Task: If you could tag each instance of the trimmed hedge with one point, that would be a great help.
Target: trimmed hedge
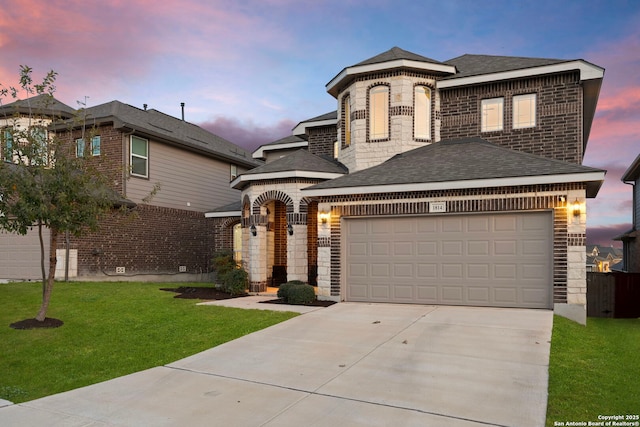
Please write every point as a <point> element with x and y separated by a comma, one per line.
<point>296,292</point>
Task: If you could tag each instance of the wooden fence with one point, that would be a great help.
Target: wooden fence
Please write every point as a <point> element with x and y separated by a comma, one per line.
<point>613,295</point>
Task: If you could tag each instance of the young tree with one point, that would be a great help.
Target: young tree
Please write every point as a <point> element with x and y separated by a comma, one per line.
<point>42,182</point>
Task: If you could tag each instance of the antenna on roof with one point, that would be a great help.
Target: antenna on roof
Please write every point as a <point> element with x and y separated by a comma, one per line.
<point>182,106</point>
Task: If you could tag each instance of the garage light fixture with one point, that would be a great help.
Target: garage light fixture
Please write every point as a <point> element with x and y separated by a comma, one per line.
<point>253,230</point>
<point>577,209</point>
<point>290,229</point>
<point>324,216</point>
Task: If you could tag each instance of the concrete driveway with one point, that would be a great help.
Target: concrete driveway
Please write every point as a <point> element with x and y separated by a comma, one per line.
<point>351,364</point>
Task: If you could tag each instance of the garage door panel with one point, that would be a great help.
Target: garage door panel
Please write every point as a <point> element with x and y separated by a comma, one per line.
<point>358,270</point>
<point>20,254</point>
<point>482,259</point>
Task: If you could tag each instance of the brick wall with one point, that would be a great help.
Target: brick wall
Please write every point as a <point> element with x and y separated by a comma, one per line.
<point>147,240</point>
<point>321,140</point>
<point>558,131</point>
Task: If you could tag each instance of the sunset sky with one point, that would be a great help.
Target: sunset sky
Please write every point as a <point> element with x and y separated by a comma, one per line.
<point>251,70</point>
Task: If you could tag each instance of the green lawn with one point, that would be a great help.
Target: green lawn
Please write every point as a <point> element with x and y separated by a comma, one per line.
<point>594,370</point>
<point>110,329</point>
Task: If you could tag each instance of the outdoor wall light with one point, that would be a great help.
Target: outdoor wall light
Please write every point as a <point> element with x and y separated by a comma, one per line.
<point>576,208</point>
<point>253,230</point>
<point>290,229</point>
<point>324,217</point>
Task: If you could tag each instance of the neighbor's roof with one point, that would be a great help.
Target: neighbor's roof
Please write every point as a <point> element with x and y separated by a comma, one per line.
<point>464,163</point>
<point>232,209</point>
<point>44,104</point>
<point>299,164</point>
<point>155,124</point>
<point>633,172</point>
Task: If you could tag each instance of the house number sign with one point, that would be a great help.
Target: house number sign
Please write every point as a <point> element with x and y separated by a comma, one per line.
<point>437,207</point>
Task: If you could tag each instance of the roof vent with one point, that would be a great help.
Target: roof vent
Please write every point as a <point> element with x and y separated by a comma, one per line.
<point>144,106</point>
<point>182,106</point>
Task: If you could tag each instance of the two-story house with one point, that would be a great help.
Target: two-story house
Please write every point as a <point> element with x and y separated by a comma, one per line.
<point>169,172</point>
<point>20,255</point>
<point>457,182</point>
<point>630,242</point>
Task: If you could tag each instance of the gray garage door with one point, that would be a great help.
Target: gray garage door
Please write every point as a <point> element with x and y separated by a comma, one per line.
<point>501,260</point>
<point>20,255</point>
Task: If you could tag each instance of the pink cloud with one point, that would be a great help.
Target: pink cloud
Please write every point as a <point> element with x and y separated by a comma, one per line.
<point>603,235</point>
<point>248,135</point>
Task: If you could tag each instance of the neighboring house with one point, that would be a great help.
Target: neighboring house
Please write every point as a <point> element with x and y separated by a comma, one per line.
<point>164,233</point>
<point>20,255</point>
<point>602,258</point>
<point>630,241</point>
<point>458,182</point>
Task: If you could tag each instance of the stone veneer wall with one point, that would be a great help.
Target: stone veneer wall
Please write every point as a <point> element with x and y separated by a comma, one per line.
<point>558,132</point>
<point>363,152</point>
<point>569,234</point>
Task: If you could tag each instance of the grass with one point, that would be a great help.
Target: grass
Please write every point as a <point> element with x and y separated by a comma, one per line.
<point>110,330</point>
<point>594,370</point>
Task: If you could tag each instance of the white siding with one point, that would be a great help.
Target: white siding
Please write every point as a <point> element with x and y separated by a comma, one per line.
<point>187,180</point>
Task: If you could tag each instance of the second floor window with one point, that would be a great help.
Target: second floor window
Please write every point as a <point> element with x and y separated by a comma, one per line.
<point>234,172</point>
<point>346,120</point>
<point>492,114</point>
<point>422,113</point>
<point>139,157</point>
<point>379,112</point>
<point>94,148</point>
<point>524,111</point>
<point>7,145</point>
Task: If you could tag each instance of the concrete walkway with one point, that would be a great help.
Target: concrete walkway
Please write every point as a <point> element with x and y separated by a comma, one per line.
<point>351,364</point>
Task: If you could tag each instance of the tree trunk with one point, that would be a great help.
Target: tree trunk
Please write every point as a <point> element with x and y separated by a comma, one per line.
<point>44,273</point>
<point>48,288</point>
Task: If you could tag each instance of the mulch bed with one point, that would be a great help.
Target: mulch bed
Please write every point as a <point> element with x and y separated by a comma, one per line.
<point>209,293</point>
<point>48,322</point>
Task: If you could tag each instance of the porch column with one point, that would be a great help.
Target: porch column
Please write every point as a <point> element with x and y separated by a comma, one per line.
<point>257,262</point>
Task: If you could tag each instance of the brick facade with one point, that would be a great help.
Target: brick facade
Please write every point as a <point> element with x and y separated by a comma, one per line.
<point>321,140</point>
<point>147,240</point>
<point>558,131</point>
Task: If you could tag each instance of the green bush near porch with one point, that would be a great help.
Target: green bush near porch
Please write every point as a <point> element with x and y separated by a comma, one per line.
<point>296,292</point>
<point>110,329</point>
<point>594,370</point>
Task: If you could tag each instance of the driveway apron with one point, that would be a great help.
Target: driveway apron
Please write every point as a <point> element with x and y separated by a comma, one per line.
<point>350,364</point>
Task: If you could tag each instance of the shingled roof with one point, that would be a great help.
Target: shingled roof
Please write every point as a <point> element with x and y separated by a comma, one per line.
<point>297,164</point>
<point>155,124</point>
<point>396,53</point>
<point>44,105</point>
<point>473,65</point>
<point>465,161</point>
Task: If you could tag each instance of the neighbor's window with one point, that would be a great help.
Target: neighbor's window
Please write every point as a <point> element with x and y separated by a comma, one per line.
<point>379,112</point>
<point>80,147</point>
<point>7,145</point>
<point>234,172</point>
<point>40,152</point>
<point>95,145</point>
<point>139,157</point>
<point>524,111</point>
<point>422,113</point>
<point>492,112</point>
<point>346,120</point>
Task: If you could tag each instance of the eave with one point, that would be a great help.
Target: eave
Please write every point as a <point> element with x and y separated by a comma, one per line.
<point>243,180</point>
<point>594,181</point>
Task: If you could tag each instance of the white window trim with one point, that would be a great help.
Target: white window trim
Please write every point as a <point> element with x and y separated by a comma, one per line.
<point>533,119</point>
<point>93,152</point>
<point>386,117</point>
<point>487,102</point>
<point>131,156</point>
<point>415,114</point>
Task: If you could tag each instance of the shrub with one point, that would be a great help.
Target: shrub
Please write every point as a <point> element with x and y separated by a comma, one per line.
<point>233,278</point>
<point>296,292</point>
<point>235,281</point>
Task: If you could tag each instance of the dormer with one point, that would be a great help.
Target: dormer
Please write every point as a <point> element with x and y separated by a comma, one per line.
<point>387,105</point>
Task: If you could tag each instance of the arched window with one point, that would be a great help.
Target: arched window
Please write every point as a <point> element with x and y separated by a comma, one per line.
<point>379,112</point>
<point>422,113</point>
<point>346,121</point>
